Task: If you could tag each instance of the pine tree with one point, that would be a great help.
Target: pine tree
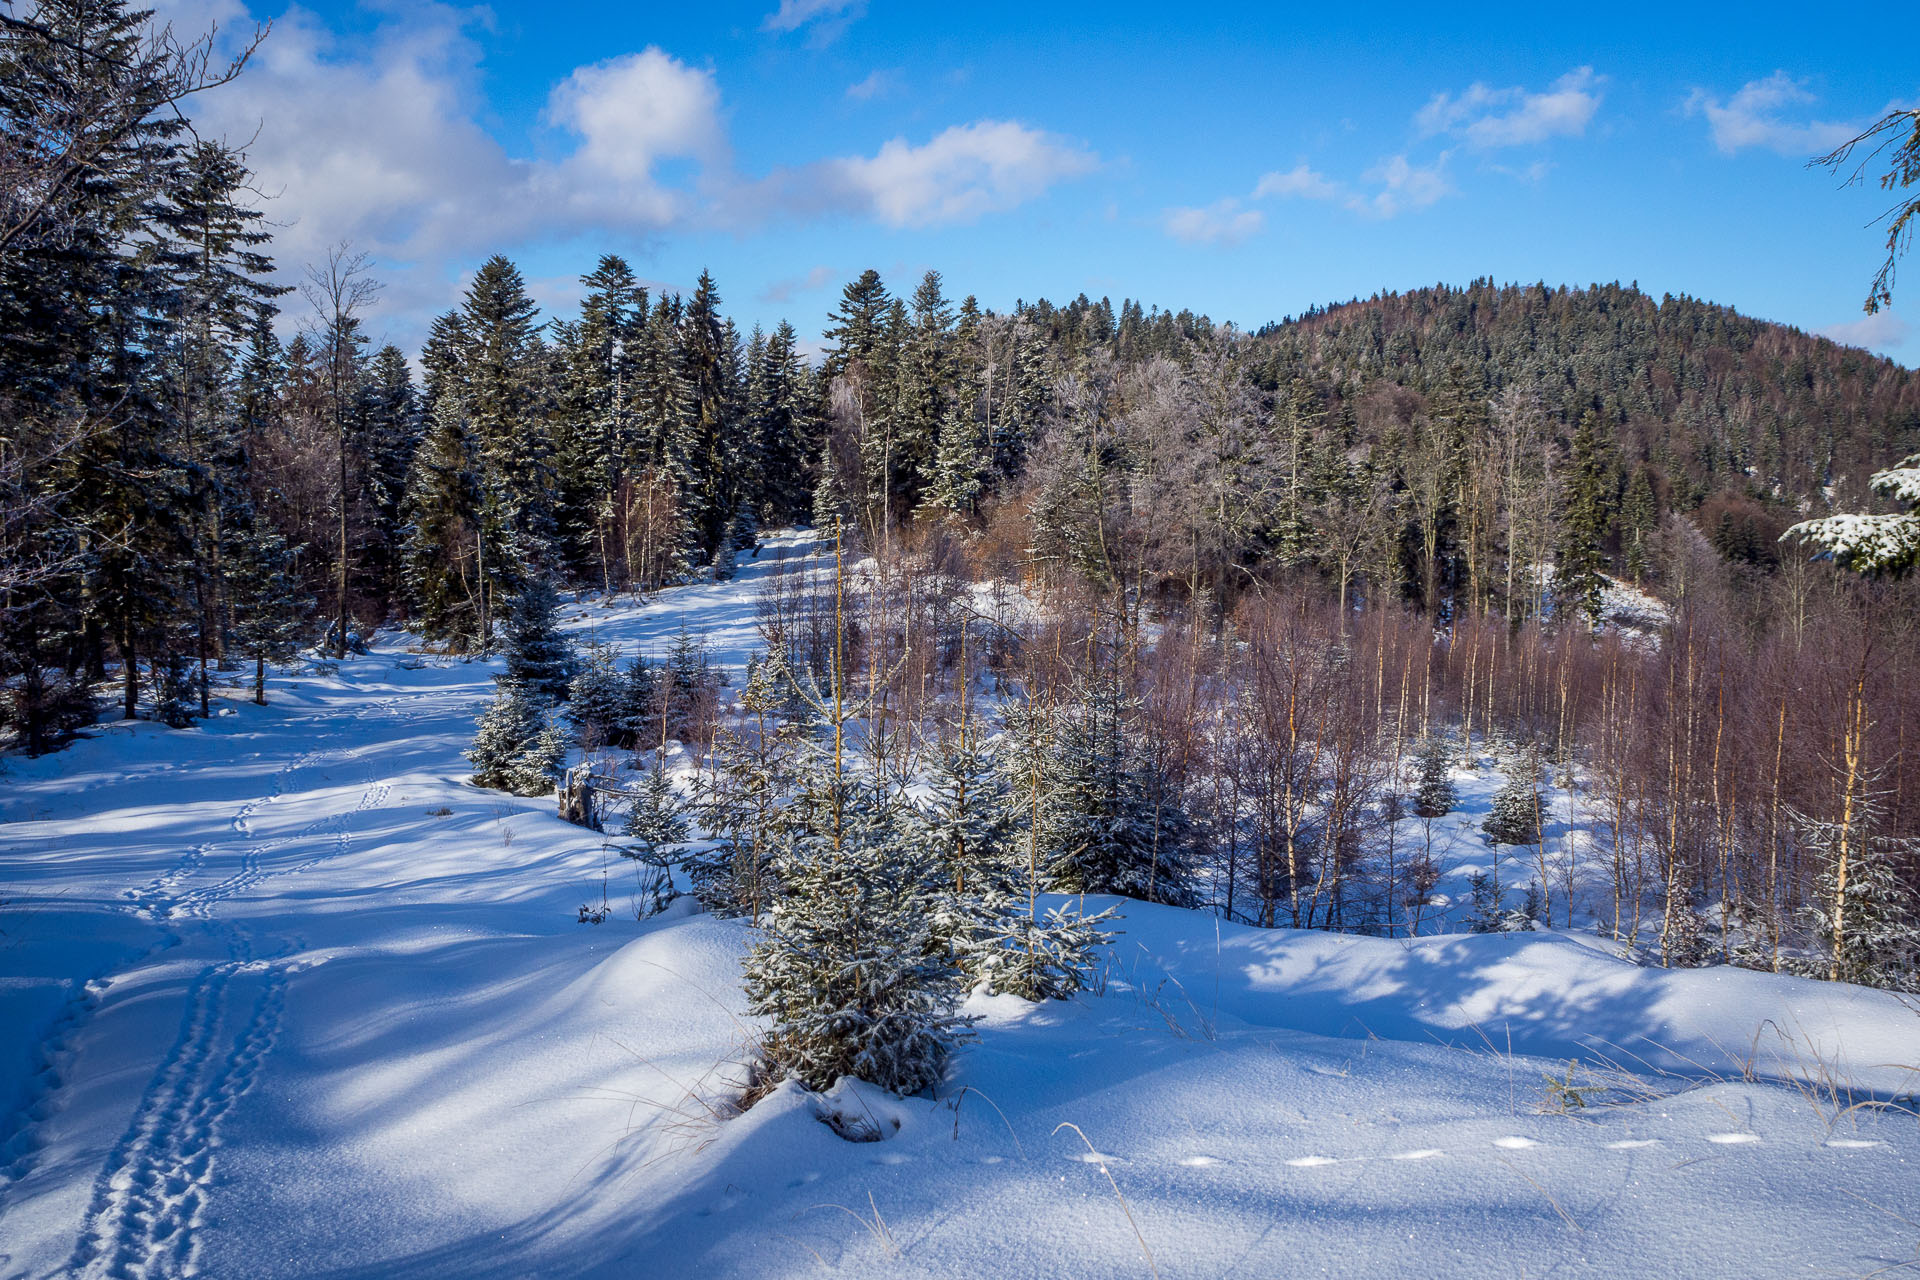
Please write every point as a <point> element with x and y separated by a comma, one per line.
<point>856,326</point>
<point>517,747</point>
<point>1045,958</point>
<point>848,974</point>
<point>270,607</point>
<point>701,449</point>
<point>924,396</point>
<point>1585,516</point>
<point>743,799</point>
<point>787,429</point>
<point>1515,815</point>
<point>538,656</point>
<point>500,368</point>
<point>1102,828</point>
<point>1881,945</point>
<point>657,818</point>
<point>961,465</point>
<point>1434,796</point>
<point>597,699</point>
<point>639,704</point>
<point>1639,516</point>
<point>442,536</point>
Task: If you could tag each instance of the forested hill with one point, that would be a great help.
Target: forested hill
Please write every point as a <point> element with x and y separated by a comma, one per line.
<point>1712,399</point>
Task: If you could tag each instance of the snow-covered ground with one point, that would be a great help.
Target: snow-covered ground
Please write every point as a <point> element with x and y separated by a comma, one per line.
<point>283,995</point>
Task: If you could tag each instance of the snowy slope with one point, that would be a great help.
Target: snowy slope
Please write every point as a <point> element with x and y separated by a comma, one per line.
<point>279,1014</point>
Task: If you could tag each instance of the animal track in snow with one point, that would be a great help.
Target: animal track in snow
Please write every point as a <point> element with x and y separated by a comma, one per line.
<point>1733,1139</point>
<point>1311,1162</point>
<point>150,1197</point>
<point>1425,1153</point>
<point>1632,1144</point>
<point>1854,1144</point>
<point>1514,1144</point>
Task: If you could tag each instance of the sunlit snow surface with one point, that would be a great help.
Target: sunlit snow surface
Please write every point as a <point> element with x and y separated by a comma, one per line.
<point>269,1012</point>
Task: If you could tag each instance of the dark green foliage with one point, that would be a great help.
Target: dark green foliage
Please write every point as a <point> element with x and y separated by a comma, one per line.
<point>847,974</point>
<point>597,699</point>
<point>538,656</point>
<point>1105,823</point>
<point>1584,519</point>
<point>1515,816</point>
<point>657,818</point>
<point>270,607</point>
<point>1433,795</point>
<point>517,747</point>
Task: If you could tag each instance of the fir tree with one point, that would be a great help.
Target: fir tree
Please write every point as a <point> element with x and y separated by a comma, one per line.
<point>1515,816</point>
<point>1101,828</point>
<point>269,606</point>
<point>517,747</point>
<point>743,800</point>
<point>1434,795</point>
<point>1639,516</point>
<point>443,534</point>
<point>1881,925</point>
<point>1585,516</point>
<point>848,974</point>
<point>537,654</point>
<point>1044,958</point>
<point>1888,544</point>
<point>657,818</point>
<point>597,699</point>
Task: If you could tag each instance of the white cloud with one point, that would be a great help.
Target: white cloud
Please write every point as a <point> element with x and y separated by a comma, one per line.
<point>877,84</point>
<point>1876,332</point>
<point>377,138</point>
<point>794,14</point>
<point>785,290</point>
<point>630,113</point>
<point>377,143</point>
<point>961,173</point>
<point>1299,181</point>
<point>1223,223</point>
<point>1404,185</point>
<point>1753,117</point>
<point>1394,186</point>
<point>1486,117</point>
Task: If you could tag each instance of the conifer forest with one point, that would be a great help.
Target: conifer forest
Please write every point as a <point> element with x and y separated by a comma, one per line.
<point>936,787</point>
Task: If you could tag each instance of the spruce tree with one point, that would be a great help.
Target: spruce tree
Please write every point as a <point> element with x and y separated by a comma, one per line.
<point>1101,828</point>
<point>537,654</point>
<point>1585,515</point>
<point>1434,795</point>
<point>443,581</point>
<point>270,608</point>
<point>1515,815</point>
<point>847,973</point>
<point>596,699</point>
<point>500,370</point>
<point>657,818</point>
<point>517,747</point>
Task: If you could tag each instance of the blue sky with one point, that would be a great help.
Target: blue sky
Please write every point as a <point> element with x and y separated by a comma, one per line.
<point>1247,161</point>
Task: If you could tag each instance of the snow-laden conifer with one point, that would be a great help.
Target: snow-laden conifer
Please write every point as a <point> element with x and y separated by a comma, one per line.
<point>269,606</point>
<point>1433,796</point>
<point>517,747</point>
<point>1515,816</point>
<point>596,701</point>
<point>848,974</point>
<point>538,655</point>
<point>1104,823</point>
